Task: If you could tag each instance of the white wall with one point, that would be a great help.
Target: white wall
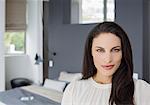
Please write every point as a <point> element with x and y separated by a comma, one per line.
<point>17,66</point>
<point>23,66</point>
<point>2,59</point>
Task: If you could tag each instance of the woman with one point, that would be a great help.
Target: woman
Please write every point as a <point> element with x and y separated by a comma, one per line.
<point>107,71</point>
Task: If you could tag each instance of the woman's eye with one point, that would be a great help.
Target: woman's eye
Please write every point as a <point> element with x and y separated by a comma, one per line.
<point>116,50</point>
<point>100,50</point>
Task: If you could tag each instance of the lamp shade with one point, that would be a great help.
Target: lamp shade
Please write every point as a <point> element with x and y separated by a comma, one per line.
<point>38,59</point>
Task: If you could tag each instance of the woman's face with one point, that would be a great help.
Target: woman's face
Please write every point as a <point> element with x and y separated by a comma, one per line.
<point>107,54</point>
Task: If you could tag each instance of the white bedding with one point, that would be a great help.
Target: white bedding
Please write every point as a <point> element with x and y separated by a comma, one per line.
<point>48,93</point>
<point>51,94</point>
<point>2,103</point>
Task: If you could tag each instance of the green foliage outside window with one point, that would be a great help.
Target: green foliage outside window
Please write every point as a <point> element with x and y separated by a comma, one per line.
<point>17,39</point>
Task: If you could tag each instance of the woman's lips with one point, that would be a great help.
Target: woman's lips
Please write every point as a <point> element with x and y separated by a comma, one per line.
<point>107,67</point>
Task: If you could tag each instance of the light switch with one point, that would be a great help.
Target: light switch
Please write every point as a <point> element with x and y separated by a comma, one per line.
<point>51,63</point>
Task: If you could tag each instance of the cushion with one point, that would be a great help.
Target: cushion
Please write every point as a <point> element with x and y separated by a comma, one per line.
<point>54,84</point>
<point>65,76</point>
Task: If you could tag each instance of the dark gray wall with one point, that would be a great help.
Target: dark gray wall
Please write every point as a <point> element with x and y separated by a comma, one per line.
<point>129,14</point>
<point>146,44</point>
<point>67,40</point>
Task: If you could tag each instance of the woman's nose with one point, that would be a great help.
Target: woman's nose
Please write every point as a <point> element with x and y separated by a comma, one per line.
<point>108,58</point>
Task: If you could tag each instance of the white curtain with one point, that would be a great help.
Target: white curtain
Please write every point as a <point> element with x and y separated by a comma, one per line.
<point>2,59</point>
<point>34,38</point>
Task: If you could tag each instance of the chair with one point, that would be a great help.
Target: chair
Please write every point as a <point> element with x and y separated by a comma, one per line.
<point>18,82</point>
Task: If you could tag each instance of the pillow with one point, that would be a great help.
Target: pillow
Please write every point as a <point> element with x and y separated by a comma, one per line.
<point>65,76</point>
<point>54,84</point>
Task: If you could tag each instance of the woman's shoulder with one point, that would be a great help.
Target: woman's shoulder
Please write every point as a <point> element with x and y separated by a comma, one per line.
<point>142,92</point>
<point>139,83</point>
<point>141,86</point>
<point>78,83</point>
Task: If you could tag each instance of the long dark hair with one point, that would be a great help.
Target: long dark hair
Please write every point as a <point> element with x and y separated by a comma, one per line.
<point>122,90</point>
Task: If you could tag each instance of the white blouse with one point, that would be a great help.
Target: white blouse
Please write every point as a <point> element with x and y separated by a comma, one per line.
<point>89,92</point>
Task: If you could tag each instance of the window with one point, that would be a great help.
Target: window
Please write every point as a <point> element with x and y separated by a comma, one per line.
<point>14,38</point>
<point>14,42</point>
<point>92,11</point>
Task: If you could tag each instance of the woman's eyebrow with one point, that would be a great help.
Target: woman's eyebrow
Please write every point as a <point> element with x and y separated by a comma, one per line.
<point>99,47</point>
<point>112,47</point>
<point>116,47</point>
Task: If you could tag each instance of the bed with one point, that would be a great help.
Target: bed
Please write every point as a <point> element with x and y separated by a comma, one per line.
<point>31,95</point>
<point>50,93</point>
